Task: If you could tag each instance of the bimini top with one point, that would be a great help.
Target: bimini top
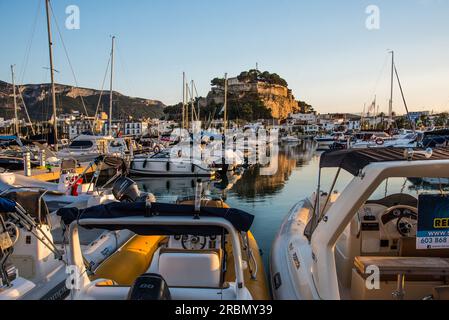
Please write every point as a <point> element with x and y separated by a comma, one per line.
<point>114,162</point>
<point>241,220</point>
<point>354,160</point>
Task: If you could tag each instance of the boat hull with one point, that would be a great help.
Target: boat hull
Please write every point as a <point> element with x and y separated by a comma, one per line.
<point>151,168</point>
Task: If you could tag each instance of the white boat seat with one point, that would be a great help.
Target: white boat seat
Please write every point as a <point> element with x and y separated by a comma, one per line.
<point>190,268</point>
<point>415,267</point>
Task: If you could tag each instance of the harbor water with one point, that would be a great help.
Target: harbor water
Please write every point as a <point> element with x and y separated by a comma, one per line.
<point>268,198</point>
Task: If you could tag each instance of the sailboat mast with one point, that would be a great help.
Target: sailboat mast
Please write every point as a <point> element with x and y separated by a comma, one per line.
<point>52,75</point>
<point>16,119</point>
<point>192,101</point>
<point>111,87</point>
<point>390,109</point>
<point>183,100</point>
<point>225,102</point>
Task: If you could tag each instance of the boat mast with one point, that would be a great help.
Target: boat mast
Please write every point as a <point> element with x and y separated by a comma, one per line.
<point>16,119</point>
<point>110,87</point>
<point>390,109</point>
<point>192,102</point>
<point>225,124</point>
<point>52,75</point>
<point>183,100</point>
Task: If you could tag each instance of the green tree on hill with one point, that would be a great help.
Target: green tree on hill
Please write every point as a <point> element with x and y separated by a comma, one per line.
<point>253,75</point>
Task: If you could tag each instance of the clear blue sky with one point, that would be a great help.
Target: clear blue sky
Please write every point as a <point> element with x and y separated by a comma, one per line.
<point>321,47</point>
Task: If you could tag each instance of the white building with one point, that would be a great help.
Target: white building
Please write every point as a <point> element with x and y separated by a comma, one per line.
<point>304,117</point>
<point>310,128</point>
<point>135,128</point>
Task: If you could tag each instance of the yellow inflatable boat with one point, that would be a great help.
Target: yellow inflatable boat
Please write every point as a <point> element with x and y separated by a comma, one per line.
<point>208,266</point>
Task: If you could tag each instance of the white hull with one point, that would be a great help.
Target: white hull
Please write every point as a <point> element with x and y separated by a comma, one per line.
<point>291,258</point>
<point>164,168</point>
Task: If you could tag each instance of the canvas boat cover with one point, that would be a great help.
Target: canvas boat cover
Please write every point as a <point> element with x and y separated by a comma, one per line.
<point>241,220</point>
<point>354,160</point>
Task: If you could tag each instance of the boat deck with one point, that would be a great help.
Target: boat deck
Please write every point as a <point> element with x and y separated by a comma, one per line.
<point>43,174</point>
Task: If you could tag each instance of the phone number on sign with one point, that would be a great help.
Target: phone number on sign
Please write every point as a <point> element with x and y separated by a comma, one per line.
<point>433,242</point>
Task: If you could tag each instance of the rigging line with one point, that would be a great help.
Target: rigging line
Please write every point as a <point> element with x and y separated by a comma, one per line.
<point>102,87</point>
<point>26,57</point>
<point>69,61</point>
<point>123,66</point>
<point>403,98</point>
<point>26,111</point>
<point>380,76</point>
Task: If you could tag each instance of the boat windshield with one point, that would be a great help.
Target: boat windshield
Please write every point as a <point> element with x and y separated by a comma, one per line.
<point>81,144</point>
<point>161,155</point>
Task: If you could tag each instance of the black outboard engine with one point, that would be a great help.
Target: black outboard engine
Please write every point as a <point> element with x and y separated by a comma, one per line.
<point>149,286</point>
<point>125,189</point>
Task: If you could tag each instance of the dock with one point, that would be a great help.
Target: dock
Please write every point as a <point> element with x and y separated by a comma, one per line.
<point>43,173</point>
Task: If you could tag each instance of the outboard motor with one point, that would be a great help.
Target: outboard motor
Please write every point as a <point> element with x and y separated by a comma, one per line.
<point>149,286</point>
<point>126,190</point>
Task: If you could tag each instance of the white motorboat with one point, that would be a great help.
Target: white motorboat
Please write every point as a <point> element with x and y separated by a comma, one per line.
<point>85,148</point>
<point>324,142</point>
<point>33,256</point>
<point>166,164</point>
<point>383,140</point>
<point>290,139</point>
<point>354,245</point>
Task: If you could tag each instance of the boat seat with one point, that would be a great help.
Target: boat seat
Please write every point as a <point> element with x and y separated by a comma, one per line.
<point>190,268</point>
<point>408,249</point>
<point>130,261</point>
<point>422,276</point>
<point>409,266</point>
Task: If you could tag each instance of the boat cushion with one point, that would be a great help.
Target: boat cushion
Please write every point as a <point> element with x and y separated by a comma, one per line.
<point>190,268</point>
<point>130,261</point>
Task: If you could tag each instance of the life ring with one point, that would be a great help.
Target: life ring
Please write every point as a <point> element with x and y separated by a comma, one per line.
<point>157,149</point>
<point>380,141</point>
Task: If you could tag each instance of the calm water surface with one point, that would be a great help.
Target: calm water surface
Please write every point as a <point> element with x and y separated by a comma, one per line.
<point>269,198</point>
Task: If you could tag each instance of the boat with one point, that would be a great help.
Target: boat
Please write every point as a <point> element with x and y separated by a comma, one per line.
<point>290,139</point>
<point>383,140</point>
<point>212,242</point>
<point>165,164</point>
<point>85,147</point>
<point>30,268</point>
<point>324,142</point>
<point>330,243</point>
<point>71,188</point>
<point>33,255</point>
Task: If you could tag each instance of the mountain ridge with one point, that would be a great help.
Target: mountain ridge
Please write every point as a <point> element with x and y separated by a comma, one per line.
<point>37,99</point>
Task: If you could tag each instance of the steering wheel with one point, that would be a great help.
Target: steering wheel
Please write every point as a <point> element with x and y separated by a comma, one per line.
<point>406,216</point>
<point>13,231</point>
<point>190,242</point>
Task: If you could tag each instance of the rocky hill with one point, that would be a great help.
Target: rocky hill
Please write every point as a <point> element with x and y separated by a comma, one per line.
<point>69,99</point>
<point>254,95</point>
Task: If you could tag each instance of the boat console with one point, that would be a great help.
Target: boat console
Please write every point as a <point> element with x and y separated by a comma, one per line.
<point>383,234</point>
